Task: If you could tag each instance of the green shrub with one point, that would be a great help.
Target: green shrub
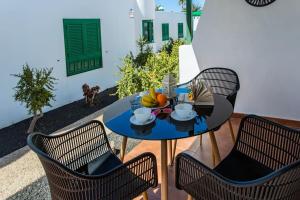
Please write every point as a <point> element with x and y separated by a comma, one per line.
<point>144,52</point>
<point>168,47</point>
<point>135,77</point>
<point>35,89</point>
<point>130,82</point>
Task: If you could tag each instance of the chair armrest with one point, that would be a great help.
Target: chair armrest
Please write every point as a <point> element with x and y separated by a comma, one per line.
<point>189,170</point>
<point>200,181</point>
<point>143,166</point>
<point>268,142</point>
<point>125,181</point>
<point>232,97</point>
<point>129,179</point>
<point>204,183</point>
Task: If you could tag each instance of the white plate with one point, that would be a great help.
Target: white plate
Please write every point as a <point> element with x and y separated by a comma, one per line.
<point>149,121</point>
<point>190,117</point>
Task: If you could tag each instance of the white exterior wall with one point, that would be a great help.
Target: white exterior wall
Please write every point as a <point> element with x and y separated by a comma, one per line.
<point>146,8</point>
<point>262,45</point>
<point>140,15</point>
<point>32,32</point>
<point>160,17</point>
<point>188,64</point>
<point>172,18</point>
<point>196,22</point>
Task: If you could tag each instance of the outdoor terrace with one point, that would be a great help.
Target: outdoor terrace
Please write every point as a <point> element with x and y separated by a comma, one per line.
<point>200,91</point>
<point>23,177</point>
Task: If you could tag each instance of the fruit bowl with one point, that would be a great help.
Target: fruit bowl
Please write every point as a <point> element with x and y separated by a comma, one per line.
<point>154,100</point>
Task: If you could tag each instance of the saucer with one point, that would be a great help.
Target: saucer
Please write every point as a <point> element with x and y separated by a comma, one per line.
<point>187,118</point>
<point>135,122</point>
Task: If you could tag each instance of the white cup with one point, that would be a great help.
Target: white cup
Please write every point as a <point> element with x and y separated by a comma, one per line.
<point>142,114</point>
<point>184,110</point>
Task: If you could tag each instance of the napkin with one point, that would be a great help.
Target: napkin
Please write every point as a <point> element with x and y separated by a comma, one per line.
<point>206,96</point>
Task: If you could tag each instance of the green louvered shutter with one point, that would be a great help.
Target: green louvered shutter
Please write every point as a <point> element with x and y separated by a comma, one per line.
<point>145,29</point>
<point>93,46</point>
<point>180,30</point>
<point>165,32</point>
<point>82,45</point>
<point>147,26</point>
<point>151,32</point>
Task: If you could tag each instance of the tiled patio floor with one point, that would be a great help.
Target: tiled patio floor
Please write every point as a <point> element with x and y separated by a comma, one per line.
<point>191,146</point>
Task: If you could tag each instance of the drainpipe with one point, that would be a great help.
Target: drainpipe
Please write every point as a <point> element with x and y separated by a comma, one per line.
<point>189,20</point>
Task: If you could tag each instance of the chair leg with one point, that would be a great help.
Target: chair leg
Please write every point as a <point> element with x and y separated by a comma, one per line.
<point>170,151</point>
<point>164,169</point>
<point>231,131</point>
<point>145,196</point>
<point>174,151</point>
<point>190,197</point>
<point>214,145</point>
<point>123,148</point>
<point>200,137</point>
<point>213,157</point>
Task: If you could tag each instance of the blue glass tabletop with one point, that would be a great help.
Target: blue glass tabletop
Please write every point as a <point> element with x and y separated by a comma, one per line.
<point>116,118</point>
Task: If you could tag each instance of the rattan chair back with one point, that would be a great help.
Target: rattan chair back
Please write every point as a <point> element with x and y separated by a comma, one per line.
<point>222,81</point>
<point>66,157</point>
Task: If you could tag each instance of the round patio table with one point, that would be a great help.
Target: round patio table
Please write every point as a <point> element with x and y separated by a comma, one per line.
<point>165,129</point>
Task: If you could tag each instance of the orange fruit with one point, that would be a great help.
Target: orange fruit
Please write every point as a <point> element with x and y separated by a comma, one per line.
<point>161,99</point>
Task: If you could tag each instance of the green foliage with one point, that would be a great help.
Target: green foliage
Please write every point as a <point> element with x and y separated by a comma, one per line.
<point>136,79</point>
<point>130,81</point>
<point>168,47</point>
<point>144,52</point>
<point>35,88</point>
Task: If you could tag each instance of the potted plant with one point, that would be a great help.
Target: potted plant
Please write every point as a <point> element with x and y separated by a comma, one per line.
<point>34,89</point>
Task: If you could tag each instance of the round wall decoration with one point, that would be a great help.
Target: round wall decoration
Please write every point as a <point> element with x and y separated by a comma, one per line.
<point>260,3</point>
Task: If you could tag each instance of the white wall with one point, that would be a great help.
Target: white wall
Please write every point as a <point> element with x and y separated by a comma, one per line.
<point>262,45</point>
<point>196,22</point>
<point>140,15</point>
<point>160,17</point>
<point>32,32</point>
<point>172,18</point>
<point>188,64</point>
<point>146,8</point>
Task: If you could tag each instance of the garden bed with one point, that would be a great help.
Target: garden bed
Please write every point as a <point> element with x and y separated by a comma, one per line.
<point>14,137</point>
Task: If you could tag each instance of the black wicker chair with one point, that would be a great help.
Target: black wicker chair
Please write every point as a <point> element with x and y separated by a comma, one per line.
<point>80,165</point>
<point>222,81</point>
<point>264,164</point>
